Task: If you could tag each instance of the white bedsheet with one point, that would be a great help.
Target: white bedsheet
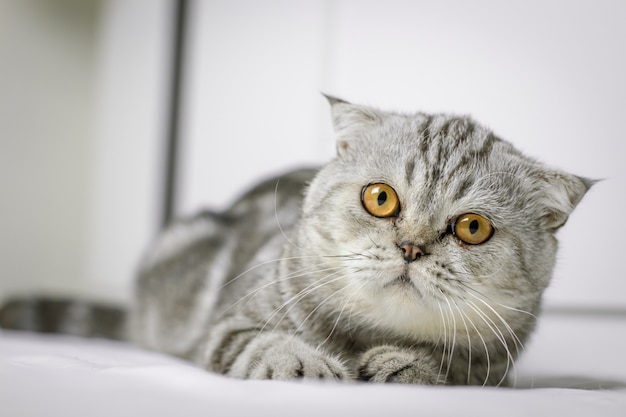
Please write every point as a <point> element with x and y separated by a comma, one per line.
<point>574,366</point>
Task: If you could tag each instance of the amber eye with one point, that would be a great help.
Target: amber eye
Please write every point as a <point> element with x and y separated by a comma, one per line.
<point>472,228</point>
<point>380,200</point>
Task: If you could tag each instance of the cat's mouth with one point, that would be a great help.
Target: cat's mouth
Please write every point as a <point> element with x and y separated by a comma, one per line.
<point>404,282</point>
<point>405,279</point>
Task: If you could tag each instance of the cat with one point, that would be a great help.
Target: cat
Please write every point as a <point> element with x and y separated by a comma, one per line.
<point>418,255</point>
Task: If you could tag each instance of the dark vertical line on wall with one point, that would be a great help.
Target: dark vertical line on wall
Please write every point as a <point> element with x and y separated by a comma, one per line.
<point>173,131</point>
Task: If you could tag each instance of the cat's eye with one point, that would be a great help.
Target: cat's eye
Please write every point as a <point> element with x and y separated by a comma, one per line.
<point>472,228</point>
<point>380,200</point>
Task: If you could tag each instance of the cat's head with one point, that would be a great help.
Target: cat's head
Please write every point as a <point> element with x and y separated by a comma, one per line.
<point>422,221</point>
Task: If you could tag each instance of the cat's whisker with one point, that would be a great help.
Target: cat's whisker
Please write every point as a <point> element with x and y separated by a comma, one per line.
<point>345,304</point>
<point>471,290</point>
<point>355,295</point>
<point>351,256</point>
<point>499,335</point>
<point>473,278</point>
<point>518,310</point>
<point>490,324</point>
<point>311,269</point>
<point>376,245</point>
<point>369,236</point>
<point>516,340</point>
<point>453,345</point>
<point>280,228</point>
<point>469,342</point>
<point>299,296</point>
<point>259,265</point>
<point>295,274</point>
<point>293,301</point>
<point>444,320</point>
<point>482,339</point>
<point>319,305</point>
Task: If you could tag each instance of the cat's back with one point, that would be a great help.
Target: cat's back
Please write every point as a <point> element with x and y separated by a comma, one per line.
<point>186,268</point>
<point>270,206</point>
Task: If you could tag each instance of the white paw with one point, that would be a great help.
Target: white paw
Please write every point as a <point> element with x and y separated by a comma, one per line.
<point>288,358</point>
<point>401,365</point>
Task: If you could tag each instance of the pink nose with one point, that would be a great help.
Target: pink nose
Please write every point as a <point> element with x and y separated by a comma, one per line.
<point>411,251</point>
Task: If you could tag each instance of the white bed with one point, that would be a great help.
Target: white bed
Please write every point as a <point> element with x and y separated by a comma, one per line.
<point>574,366</point>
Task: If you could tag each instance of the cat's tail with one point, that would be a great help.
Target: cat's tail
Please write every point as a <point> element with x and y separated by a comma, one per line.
<point>64,316</point>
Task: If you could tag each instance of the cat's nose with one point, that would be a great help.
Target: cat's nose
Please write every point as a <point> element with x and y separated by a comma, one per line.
<point>411,251</point>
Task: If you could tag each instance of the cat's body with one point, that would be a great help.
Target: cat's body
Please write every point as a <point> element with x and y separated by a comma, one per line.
<point>418,255</point>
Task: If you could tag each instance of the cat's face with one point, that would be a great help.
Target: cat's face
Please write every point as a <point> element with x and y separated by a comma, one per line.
<point>430,222</point>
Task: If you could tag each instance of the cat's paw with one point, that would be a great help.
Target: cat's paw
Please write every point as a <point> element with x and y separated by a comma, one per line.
<point>288,358</point>
<point>401,365</point>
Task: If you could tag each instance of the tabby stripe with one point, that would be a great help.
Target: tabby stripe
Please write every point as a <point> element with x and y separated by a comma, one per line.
<point>254,360</point>
<point>519,248</point>
<point>425,138</point>
<point>462,164</point>
<point>473,155</point>
<point>231,346</point>
<point>326,235</point>
<point>206,297</point>
<point>481,153</point>
<point>410,169</point>
<point>487,146</point>
<point>179,237</point>
<point>462,135</point>
<point>327,200</point>
<point>438,161</point>
<point>459,134</point>
<point>462,189</point>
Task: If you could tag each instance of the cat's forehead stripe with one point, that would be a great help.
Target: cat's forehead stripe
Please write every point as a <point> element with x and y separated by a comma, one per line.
<point>410,169</point>
<point>462,189</point>
<point>450,145</point>
<point>468,158</point>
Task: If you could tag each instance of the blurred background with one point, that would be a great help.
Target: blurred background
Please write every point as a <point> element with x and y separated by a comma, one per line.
<point>117,114</point>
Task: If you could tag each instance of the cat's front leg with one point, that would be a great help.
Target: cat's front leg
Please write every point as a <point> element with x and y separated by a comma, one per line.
<point>389,363</point>
<point>247,353</point>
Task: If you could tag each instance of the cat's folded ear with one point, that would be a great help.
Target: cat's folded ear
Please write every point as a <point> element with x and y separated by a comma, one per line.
<point>349,120</point>
<point>560,193</point>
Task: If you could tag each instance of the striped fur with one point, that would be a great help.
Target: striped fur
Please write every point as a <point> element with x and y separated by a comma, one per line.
<point>297,279</point>
<point>71,317</point>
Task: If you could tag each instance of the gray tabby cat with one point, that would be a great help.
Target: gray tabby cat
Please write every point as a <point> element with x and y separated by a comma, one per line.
<point>418,255</point>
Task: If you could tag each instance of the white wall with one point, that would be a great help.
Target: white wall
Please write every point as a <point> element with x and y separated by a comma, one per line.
<point>83,91</point>
<point>546,75</point>
<point>132,88</point>
<point>46,96</point>
<point>252,95</point>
